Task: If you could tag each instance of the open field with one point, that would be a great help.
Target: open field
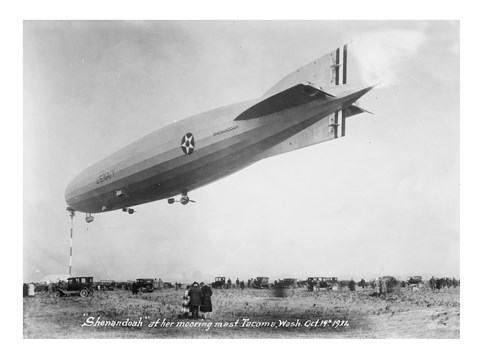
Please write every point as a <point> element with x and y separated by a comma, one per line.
<point>405,313</point>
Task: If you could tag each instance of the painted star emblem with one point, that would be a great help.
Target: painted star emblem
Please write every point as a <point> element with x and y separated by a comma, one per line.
<point>188,144</point>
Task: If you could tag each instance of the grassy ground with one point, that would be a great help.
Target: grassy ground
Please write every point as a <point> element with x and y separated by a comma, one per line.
<point>406,313</point>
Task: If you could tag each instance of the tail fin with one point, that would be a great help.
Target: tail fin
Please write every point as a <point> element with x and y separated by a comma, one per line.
<point>324,72</point>
<point>335,73</point>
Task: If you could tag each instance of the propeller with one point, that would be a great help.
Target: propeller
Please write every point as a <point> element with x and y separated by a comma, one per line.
<point>184,200</point>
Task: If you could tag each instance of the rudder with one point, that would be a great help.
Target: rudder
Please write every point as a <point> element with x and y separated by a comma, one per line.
<point>324,72</point>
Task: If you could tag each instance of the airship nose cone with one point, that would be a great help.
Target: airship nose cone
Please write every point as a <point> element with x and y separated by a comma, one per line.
<point>70,191</point>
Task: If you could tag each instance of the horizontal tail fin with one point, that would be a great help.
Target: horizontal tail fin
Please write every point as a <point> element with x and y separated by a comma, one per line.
<point>297,95</point>
<point>353,110</point>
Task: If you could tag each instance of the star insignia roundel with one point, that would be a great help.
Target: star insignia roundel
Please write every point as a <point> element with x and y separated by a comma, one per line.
<point>188,143</point>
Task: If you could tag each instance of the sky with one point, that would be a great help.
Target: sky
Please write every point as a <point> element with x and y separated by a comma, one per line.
<point>384,200</point>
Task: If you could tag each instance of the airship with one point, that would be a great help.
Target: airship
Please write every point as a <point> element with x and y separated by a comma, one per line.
<point>306,107</point>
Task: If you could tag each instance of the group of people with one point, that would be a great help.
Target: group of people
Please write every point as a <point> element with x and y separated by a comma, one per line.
<point>197,297</point>
<point>440,283</point>
<point>380,286</point>
<point>238,284</point>
<point>157,284</point>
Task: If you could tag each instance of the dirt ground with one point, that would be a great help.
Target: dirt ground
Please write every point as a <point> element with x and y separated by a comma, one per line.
<point>251,313</point>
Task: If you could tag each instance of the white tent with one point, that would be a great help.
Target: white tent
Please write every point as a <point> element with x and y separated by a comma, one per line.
<point>54,278</point>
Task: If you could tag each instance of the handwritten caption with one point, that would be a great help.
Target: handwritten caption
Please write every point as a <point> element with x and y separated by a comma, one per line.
<point>92,321</point>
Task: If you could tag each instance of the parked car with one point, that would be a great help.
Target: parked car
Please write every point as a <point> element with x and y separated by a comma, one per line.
<point>167,285</point>
<point>261,282</point>
<point>219,283</point>
<point>287,283</point>
<point>322,282</point>
<point>106,285</point>
<point>415,281</point>
<point>144,285</point>
<point>82,286</point>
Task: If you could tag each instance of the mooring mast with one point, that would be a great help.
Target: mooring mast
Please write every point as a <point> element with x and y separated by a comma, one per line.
<point>72,214</point>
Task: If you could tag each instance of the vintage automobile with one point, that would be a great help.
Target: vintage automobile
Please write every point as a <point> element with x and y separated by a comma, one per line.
<point>219,283</point>
<point>144,285</point>
<point>261,282</point>
<point>287,283</point>
<point>43,287</point>
<point>391,282</point>
<point>167,285</point>
<point>124,285</point>
<point>105,285</point>
<point>82,286</point>
<point>322,283</point>
<point>415,281</point>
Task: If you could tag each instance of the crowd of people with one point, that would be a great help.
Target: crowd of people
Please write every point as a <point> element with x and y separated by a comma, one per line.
<point>440,283</point>
<point>197,298</point>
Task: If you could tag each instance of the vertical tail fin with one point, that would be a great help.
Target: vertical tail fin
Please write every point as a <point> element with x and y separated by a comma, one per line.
<point>324,72</point>
<point>339,66</point>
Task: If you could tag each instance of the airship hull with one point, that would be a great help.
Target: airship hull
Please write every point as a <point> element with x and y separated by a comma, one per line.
<point>157,167</point>
<point>201,149</point>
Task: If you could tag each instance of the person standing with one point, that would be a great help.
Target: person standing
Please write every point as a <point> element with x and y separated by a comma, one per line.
<point>134,288</point>
<point>377,286</point>
<point>310,285</point>
<point>443,283</point>
<point>351,285</point>
<point>206,303</point>
<point>195,295</point>
<point>383,286</point>
<point>186,304</point>
<point>362,283</point>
